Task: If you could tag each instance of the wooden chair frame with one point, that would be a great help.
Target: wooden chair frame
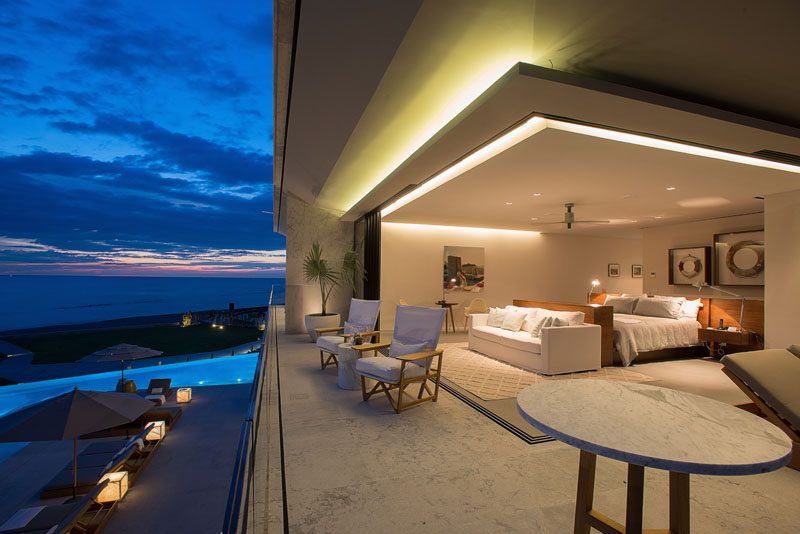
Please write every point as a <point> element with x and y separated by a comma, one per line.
<point>331,360</point>
<point>761,408</point>
<point>400,386</point>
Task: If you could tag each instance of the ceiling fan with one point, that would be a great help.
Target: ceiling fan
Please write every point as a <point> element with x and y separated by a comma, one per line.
<point>569,218</point>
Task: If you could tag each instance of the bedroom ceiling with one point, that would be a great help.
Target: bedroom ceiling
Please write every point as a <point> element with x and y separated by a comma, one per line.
<point>607,180</point>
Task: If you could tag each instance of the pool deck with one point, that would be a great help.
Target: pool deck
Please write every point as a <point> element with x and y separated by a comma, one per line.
<point>185,486</point>
<point>22,369</point>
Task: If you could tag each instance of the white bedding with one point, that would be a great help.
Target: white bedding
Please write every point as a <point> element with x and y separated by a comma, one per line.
<point>639,333</point>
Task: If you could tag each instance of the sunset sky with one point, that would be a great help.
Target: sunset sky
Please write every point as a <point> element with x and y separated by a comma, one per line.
<point>136,138</point>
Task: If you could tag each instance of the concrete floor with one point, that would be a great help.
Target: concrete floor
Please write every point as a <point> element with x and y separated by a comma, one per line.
<point>354,466</point>
<point>185,486</point>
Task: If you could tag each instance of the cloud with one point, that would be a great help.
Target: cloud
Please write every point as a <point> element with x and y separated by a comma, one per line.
<point>10,62</point>
<point>220,164</point>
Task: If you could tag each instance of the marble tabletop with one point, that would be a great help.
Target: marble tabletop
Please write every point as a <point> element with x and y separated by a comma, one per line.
<point>655,427</point>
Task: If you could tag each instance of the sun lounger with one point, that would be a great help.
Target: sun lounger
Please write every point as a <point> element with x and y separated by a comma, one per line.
<point>103,447</point>
<point>160,386</point>
<point>131,459</point>
<point>168,414</point>
<point>770,379</point>
<point>84,516</point>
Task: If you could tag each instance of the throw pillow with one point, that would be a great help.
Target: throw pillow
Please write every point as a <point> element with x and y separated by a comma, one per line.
<point>530,320</point>
<point>544,321</point>
<point>496,317</point>
<point>658,308</point>
<point>513,320</point>
<point>573,318</point>
<point>621,304</point>
<point>690,309</point>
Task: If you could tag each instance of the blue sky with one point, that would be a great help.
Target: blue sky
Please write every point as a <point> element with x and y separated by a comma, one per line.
<point>136,138</point>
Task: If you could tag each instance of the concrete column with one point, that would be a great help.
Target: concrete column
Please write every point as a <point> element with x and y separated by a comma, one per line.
<point>781,269</point>
<point>304,225</point>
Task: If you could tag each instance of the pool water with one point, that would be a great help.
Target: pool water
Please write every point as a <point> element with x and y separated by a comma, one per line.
<point>212,372</point>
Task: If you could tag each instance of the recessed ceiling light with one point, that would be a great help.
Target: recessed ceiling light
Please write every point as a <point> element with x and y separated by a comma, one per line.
<point>537,194</point>
<point>659,217</point>
<point>671,188</point>
<point>509,203</point>
<point>534,218</point>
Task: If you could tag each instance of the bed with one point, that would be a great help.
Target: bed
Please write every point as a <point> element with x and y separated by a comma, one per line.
<point>635,334</point>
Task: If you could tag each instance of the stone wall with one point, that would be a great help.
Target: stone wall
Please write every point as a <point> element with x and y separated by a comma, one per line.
<point>304,225</point>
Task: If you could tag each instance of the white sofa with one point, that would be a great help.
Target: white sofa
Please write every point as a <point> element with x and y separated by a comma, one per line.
<point>558,350</point>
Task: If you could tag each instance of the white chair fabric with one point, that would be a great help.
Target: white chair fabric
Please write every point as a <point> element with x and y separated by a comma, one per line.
<point>412,325</point>
<point>330,343</point>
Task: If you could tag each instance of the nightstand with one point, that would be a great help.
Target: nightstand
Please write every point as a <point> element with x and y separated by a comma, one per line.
<point>718,339</point>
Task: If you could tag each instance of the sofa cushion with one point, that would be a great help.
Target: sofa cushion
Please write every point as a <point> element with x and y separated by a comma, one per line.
<point>496,317</point>
<point>518,340</point>
<point>773,374</point>
<point>573,318</point>
<point>513,320</point>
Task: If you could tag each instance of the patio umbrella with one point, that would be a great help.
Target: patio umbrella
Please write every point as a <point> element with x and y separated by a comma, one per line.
<point>70,415</point>
<point>125,351</point>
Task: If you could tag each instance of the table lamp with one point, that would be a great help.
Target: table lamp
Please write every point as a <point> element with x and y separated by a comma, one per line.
<point>595,283</point>
<point>701,285</point>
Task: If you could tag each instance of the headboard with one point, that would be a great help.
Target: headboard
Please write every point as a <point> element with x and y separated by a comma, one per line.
<point>594,314</point>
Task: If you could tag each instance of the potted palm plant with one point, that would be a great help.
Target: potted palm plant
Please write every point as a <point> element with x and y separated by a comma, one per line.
<point>318,269</point>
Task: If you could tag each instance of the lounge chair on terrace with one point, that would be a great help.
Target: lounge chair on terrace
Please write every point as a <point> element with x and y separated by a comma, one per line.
<point>770,378</point>
<point>168,414</point>
<point>362,319</point>
<point>105,447</point>
<point>86,515</point>
<point>411,353</point>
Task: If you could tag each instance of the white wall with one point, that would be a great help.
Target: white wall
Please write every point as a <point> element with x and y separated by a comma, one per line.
<point>658,241</point>
<point>782,269</point>
<point>518,265</point>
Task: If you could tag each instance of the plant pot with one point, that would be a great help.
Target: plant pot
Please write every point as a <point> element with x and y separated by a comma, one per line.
<point>317,320</point>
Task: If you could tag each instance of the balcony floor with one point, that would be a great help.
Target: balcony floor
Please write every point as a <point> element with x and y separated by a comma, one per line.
<point>355,466</point>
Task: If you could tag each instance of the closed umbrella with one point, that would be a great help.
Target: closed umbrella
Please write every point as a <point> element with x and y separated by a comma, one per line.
<point>70,415</point>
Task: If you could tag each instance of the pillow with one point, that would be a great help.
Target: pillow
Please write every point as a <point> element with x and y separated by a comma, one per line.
<point>156,391</point>
<point>795,349</point>
<point>690,309</point>
<point>397,348</point>
<point>665,297</point>
<point>352,328</point>
<point>513,320</point>
<point>658,308</point>
<point>571,317</point>
<point>496,317</point>
<point>542,322</point>
<point>530,320</point>
<point>621,304</point>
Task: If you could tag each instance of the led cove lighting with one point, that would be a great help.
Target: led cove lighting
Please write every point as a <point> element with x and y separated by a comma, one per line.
<point>536,124</point>
<point>486,152</point>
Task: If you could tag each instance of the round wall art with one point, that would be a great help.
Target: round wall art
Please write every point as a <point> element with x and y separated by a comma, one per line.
<point>689,265</point>
<point>740,258</point>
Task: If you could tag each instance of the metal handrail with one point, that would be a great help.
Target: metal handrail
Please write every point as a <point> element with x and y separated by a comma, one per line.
<point>245,451</point>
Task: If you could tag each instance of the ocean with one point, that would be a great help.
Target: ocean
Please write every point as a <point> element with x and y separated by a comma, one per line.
<point>33,301</point>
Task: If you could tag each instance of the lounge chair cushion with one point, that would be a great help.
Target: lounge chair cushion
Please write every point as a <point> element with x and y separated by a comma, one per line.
<point>330,343</point>
<point>386,369</point>
<point>773,375</point>
<point>158,399</point>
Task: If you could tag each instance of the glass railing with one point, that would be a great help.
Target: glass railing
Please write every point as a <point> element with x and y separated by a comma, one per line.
<point>250,496</point>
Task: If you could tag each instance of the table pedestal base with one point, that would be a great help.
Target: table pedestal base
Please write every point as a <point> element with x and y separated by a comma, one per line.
<point>587,518</point>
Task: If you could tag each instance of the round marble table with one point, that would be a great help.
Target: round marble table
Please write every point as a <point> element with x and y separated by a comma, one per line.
<point>649,426</point>
<point>348,379</point>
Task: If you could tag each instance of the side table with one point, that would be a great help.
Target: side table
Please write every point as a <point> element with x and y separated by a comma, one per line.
<point>348,379</point>
<point>717,339</point>
<point>449,307</point>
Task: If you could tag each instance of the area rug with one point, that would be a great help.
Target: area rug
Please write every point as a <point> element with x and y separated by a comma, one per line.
<point>490,379</point>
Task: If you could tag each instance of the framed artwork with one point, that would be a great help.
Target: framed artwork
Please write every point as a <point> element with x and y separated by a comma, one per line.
<point>689,265</point>
<point>636,271</point>
<point>739,258</point>
<point>463,269</point>
<point>613,269</point>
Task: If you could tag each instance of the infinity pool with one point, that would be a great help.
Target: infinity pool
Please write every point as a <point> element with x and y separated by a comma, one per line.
<point>213,372</point>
